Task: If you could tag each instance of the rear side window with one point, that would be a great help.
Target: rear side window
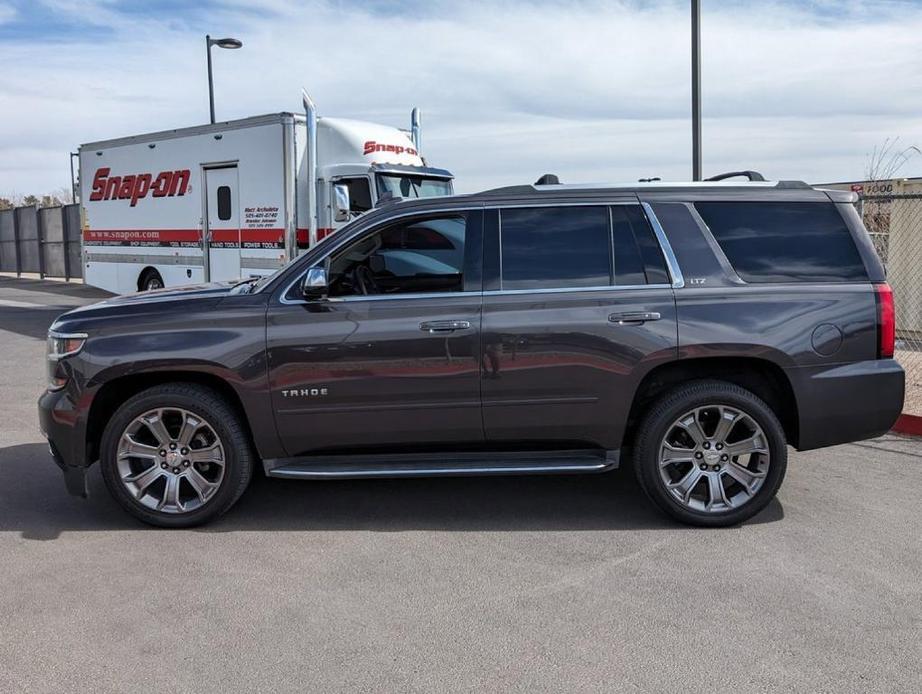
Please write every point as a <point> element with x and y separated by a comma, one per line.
<point>555,247</point>
<point>784,241</point>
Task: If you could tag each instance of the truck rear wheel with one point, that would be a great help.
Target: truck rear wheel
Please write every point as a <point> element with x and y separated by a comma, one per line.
<point>150,279</point>
<point>176,455</point>
<point>710,453</point>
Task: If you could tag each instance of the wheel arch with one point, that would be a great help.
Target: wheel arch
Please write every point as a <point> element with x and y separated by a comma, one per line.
<point>142,276</point>
<point>115,392</point>
<point>762,377</point>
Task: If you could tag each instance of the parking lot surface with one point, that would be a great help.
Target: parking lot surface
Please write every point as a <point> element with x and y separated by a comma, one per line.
<point>492,584</point>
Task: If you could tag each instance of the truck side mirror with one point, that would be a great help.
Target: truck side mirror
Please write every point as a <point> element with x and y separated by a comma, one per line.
<point>315,284</point>
<point>341,207</point>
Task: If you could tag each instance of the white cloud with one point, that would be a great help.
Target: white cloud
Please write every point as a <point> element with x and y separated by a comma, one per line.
<point>588,90</point>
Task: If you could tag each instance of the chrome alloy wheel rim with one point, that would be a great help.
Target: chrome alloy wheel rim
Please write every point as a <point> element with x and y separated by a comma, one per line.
<point>714,459</point>
<point>171,460</point>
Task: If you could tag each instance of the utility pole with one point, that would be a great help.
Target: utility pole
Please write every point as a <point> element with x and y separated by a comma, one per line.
<point>696,88</point>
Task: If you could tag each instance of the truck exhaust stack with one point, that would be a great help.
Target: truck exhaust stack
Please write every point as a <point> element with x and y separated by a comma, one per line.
<point>310,112</point>
<point>416,129</point>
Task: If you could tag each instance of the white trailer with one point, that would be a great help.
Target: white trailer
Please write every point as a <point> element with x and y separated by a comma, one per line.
<point>235,199</point>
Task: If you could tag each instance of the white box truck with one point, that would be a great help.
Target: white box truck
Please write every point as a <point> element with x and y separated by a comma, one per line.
<point>236,199</point>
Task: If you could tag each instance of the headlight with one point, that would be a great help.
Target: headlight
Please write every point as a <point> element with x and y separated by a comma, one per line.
<point>61,345</point>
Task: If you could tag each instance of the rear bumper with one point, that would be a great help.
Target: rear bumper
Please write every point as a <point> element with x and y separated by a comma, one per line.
<point>847,403</point>
<point>58,419</point>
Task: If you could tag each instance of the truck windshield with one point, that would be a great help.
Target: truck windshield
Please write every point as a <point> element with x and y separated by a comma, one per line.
<point>406,186</point>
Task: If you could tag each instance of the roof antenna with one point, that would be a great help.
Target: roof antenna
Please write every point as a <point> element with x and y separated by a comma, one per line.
<point>548,180</point>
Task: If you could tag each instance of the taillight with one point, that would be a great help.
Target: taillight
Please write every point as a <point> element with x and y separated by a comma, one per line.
<point>886,321</point>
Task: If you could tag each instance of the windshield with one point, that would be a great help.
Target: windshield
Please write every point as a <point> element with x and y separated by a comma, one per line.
<point>408,186</point>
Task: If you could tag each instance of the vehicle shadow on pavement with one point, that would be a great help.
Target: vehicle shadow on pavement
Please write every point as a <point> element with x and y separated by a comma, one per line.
<point>30,322</point>
<point>33,502</point>
<point>75,289</point>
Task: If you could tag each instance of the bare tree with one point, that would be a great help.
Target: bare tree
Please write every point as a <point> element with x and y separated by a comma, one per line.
<point>56,198</point>
<point>887,159</point>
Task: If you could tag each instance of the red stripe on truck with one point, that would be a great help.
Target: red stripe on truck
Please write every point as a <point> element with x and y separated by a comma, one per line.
<point>154,237</point>
<point>141,236</point>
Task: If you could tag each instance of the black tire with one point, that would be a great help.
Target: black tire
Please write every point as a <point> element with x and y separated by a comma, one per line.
<point>221,417</point>
<point>150,280</point>
<point>657,422</point>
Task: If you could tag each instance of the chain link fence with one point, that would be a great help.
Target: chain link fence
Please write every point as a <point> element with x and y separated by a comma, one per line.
<point>44,240</point>
<point>895,224</point>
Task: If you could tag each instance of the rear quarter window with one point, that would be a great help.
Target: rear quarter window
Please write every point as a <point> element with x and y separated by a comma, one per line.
<point>784,241</point>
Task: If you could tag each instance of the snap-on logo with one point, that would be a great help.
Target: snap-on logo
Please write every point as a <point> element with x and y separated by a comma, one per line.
<point>136,186</point>
<point>371,147</point>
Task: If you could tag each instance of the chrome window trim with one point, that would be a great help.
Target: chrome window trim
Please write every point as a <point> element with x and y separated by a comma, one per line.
<point>489,292</point>
<point>611,247</point>
<point>570,290</point>
<point>583,203</point>
<point>382,297</point>
<point>672,263</point>
<point>678,281</point>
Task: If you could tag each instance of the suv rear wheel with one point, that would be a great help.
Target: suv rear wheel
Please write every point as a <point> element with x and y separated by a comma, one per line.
<point>710,453</point>
<point>176,455</point>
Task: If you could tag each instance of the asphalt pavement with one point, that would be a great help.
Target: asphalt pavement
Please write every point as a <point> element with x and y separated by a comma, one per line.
<point>541,584</point>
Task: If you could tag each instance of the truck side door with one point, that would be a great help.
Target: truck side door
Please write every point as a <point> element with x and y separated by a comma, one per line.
<point>392,356</point>
<point>578,306</point>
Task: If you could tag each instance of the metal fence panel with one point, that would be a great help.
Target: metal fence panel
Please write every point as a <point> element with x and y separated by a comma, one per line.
<point>895,224</point>
<point>51,223</point>
<point>46,240</point>
<point>73,239</point>
<point>30,257</point>
<point>7,241</point>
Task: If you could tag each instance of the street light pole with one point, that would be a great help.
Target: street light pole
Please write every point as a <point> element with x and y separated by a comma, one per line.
<point>220,43</point>
<point>696,88</point>
<point>210,78</point>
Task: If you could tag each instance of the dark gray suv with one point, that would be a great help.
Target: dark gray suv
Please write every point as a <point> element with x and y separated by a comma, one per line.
<point>696,330</point>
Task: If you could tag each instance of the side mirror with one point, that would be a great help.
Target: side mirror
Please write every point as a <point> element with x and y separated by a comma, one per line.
<point>315,285</point>
<point>341,211</point>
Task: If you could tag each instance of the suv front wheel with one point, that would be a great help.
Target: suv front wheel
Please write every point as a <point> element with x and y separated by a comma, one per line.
<point>710,453</point>
<point>176,455</point>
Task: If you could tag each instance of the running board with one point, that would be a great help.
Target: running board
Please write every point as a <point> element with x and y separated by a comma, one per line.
<point>433,465</point>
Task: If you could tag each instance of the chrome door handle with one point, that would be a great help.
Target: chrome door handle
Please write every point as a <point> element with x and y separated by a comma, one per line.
<point>444,326</point>
<point>635,318</point>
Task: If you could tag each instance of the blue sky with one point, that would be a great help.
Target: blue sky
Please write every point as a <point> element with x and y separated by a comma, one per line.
<point>589,90</point>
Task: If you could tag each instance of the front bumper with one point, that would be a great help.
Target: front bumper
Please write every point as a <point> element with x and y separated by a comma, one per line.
<point>850,402</point>
<point>61,425</point>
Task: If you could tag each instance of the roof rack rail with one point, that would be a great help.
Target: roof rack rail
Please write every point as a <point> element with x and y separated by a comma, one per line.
<point>751,175</point>
<point>548,180</point>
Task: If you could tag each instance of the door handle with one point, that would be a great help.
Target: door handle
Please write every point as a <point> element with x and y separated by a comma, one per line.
<point>444,326</point>
<point>635,318</point>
